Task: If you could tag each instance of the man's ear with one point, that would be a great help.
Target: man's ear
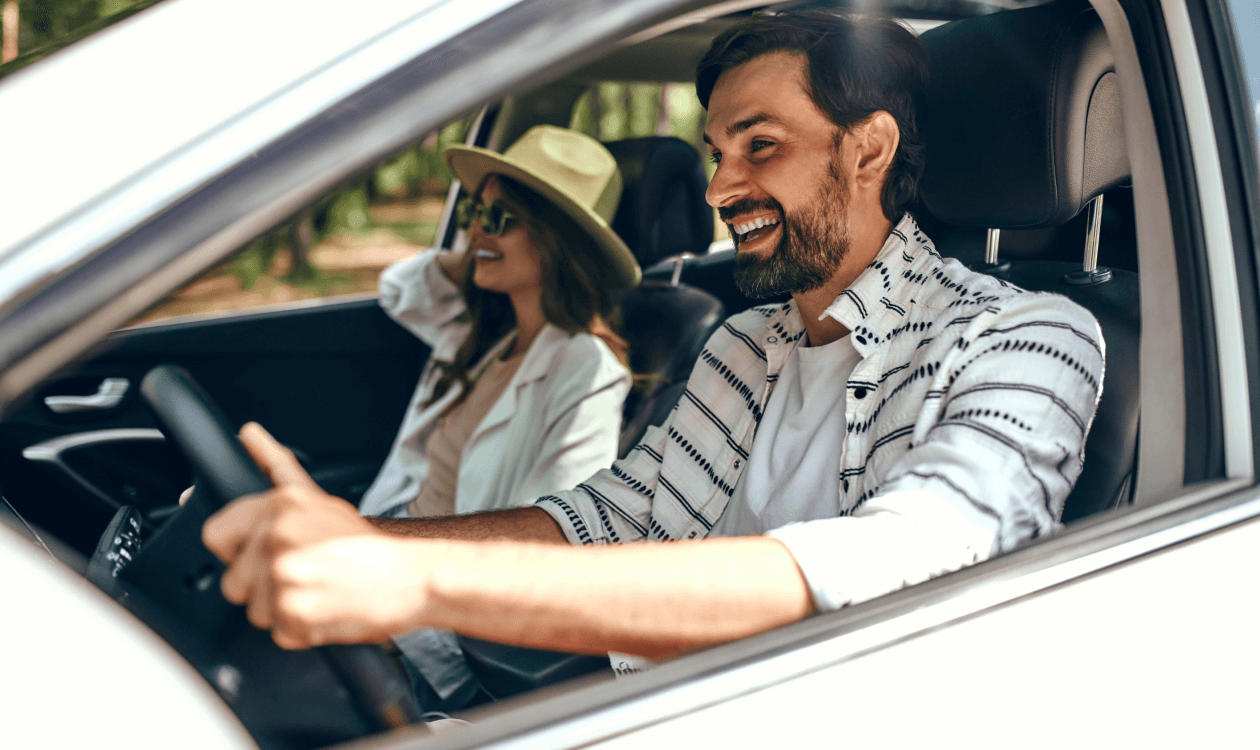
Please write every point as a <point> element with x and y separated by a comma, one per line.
<point>875,142</point>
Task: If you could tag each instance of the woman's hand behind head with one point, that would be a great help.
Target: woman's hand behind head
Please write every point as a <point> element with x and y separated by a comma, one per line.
<point>456,264</point>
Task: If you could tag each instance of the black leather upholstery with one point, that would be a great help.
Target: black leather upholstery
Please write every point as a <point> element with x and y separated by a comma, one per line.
<point>662,210</point>
<point>666,327</point>
<point>662,213</point>
<point>1023,128</point>
<point>1022,117</point>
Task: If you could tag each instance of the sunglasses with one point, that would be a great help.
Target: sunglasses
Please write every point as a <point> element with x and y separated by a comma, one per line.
<point>494,217</point>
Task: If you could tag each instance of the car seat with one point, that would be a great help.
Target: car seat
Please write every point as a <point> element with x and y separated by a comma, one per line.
<point>662,214</point>
<point>1023,129</point>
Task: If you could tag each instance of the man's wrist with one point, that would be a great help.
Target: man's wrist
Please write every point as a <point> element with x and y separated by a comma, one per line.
<point>409,600</point>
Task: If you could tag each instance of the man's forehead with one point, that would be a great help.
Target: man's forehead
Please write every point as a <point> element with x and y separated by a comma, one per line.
<point>763,90</point>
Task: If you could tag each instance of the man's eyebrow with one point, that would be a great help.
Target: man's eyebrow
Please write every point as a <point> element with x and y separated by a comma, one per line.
<point>761,118</point>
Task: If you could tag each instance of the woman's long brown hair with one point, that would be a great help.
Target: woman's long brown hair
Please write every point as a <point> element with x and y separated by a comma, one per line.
<point>576,294</point>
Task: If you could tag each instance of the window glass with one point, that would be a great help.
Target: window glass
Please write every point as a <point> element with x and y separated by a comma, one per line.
<point>1247,24</point>
<point>613,110</point>
<point>337,246</point>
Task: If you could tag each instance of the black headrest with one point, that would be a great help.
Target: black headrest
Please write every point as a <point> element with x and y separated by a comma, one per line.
<point>1021,118</point>
<point>662,210</point>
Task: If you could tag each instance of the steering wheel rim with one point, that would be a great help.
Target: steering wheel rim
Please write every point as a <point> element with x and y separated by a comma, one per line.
<point>191,419</point>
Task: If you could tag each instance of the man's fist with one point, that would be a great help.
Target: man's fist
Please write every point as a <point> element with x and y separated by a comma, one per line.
<point>306,564</point>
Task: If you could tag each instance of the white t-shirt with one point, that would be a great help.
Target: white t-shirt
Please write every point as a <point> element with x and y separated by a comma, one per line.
<point>791,474</point>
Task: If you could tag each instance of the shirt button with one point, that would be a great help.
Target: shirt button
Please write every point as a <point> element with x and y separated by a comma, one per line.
<point>737,463</point>
<point>772,339</point>
<point>859,393</point>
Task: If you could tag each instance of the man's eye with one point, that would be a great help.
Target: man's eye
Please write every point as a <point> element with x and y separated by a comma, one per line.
<point>757,145</point>
<point>715,156</point>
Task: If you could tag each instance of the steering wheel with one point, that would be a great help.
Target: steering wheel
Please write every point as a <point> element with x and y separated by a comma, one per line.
<point>172,584</point>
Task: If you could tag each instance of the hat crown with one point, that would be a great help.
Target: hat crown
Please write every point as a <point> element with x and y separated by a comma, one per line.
<point>572,162</point>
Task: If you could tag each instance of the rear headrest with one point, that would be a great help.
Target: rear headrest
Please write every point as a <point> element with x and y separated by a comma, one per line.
<point>662,210</point>
<point>1021,117</point>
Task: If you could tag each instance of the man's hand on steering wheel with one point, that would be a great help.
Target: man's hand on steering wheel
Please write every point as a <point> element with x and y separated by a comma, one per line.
<point>306,564</point>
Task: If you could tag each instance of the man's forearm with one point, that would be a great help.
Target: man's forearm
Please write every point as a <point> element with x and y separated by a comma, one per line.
<point>528,524</point>
<point>647,599</point>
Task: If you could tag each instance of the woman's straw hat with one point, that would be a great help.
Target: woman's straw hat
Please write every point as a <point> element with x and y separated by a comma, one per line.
<point>572,170</point>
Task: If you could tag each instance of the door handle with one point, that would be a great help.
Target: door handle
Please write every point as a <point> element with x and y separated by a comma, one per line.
<point>108,395</point>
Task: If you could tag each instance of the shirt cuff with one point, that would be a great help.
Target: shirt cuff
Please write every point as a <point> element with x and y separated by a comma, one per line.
<point>893,541</point>
<point>568,514</point>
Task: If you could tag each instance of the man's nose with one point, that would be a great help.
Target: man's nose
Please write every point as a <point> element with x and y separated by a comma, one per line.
<point>729,183</point>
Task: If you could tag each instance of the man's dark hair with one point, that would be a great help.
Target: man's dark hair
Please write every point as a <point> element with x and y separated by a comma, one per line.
<point>857,66</point>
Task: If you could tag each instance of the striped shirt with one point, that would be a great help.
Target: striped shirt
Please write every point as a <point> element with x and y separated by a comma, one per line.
<point>969,390</point>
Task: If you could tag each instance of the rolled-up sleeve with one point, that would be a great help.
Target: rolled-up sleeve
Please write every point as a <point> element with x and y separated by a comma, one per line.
<point>416,293</point>
<point>997,446</point>
<point>615,505</point>
<point>893,541</point>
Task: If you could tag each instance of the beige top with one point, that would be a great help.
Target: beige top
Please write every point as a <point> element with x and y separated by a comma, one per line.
<point>445,448</point>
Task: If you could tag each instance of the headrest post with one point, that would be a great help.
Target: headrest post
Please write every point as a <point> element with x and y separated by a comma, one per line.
<point>680,260</point>
<point>991,247</point>
<point>1092,235</point>
<point>1090,273</point>
<point>991,264</point>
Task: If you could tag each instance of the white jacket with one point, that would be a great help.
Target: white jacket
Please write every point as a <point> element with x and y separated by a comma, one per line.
<point>556,424</point>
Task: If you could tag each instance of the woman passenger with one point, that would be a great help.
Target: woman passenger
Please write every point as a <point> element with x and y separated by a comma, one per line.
<point>523,392</point>
<point>524,389</point>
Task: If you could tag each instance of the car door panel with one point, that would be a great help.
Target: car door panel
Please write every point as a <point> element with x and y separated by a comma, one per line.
<point>330,380</point>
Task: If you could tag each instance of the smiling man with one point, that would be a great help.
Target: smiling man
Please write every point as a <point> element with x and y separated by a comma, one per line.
<point>899,418</point>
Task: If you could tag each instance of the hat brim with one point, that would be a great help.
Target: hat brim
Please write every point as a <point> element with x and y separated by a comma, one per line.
<point>472,165</point>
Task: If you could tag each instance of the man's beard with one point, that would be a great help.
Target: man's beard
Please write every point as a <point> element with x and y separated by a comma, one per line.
<point>811,247</point>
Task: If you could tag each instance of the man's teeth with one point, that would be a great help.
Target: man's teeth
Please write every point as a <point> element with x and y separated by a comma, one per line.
<point>748,226</point>
<point>489,255</point>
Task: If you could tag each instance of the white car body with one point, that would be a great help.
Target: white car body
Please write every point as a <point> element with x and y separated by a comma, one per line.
<point>1130,629</point>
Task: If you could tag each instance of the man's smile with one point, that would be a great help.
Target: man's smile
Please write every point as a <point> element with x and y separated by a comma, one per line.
<point>751,230</point>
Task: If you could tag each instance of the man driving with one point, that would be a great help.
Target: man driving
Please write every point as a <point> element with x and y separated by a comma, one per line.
<point>899,418</point>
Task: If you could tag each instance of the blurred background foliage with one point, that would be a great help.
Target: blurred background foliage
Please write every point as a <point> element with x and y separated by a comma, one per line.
<point>45,26</point>
<point>403,194</point>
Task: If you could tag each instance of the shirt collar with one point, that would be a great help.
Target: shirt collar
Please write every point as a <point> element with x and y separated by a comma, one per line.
<point>879,299</point>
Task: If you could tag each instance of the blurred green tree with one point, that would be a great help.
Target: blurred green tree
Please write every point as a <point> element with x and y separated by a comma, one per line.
<point>45,26</point>
<point>413,173</point>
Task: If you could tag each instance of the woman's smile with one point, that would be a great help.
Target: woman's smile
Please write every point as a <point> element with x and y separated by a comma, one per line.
<point>507,262</point>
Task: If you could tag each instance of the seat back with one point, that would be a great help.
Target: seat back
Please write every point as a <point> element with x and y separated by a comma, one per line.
<point>662,214</point>
<point>1023,130</point>
<point>666,327</point>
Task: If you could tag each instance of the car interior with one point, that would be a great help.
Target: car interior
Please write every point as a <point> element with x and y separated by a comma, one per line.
<point>1028,179</point>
